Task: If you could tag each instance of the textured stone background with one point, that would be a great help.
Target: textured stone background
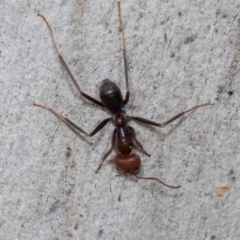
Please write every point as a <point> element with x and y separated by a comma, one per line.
<point>180,54</point>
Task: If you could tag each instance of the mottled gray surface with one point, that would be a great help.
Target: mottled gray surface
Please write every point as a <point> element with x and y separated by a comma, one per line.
<point>180,54</point>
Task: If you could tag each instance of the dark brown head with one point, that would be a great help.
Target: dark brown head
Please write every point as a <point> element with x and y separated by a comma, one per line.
<point>111,96</point>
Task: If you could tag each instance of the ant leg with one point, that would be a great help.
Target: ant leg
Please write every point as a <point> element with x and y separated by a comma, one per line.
<point>139,145</point>
<point>124,55</point>
<point>65,65</point>
<point>149,122</point>
<point>108,152</point>
<point>72,125</point>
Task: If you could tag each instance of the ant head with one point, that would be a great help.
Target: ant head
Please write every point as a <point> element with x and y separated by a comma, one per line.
<point>111,96</point>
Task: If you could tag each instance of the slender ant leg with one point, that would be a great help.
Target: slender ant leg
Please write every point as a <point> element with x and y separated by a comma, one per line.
<point>124,55</point>
<point>139,145</point>
<point>109,151</point>
<point>66,67</point>
<point>73,125</point>
<point>149,122</point>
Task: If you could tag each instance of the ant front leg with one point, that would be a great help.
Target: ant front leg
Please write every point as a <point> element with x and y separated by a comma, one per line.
<point>149,122</point>
<point>66,67</point>
<point>72,125</point>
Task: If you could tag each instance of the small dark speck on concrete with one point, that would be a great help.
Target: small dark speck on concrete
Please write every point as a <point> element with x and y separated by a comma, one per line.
<point>220,89</point>
<point>100,232</point>
<point>165,38</point>
<point>233,179</point>
<point>69,152</point>
<point>189,40</point>
<point>54,207</point>
<point>230,93</point>
<point>119,198</point>
<point>179,14</point>
<point>213,237</point>
<point>76,226</point>
<point>70,234</point>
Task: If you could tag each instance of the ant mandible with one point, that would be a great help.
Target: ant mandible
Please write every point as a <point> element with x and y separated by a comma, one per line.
<point>124,136</point>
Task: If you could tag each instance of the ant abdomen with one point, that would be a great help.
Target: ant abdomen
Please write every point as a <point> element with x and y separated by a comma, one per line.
<point>129,164</point>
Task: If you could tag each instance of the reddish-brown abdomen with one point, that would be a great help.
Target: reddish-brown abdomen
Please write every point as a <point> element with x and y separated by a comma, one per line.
<point>130,163</point>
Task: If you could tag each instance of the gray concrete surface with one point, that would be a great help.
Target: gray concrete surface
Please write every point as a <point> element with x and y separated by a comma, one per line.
<point>181,53</point>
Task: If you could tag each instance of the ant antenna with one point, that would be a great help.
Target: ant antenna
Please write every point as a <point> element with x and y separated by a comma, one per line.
<point>156,179</point>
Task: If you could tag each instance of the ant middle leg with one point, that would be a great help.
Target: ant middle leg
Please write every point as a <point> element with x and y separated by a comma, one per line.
<point>149,122</point>
<point>72,125</point>
<point>66,67</point>
<point>139,145</point>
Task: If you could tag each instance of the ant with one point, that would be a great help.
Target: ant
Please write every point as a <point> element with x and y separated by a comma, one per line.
<point>123,136</point>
